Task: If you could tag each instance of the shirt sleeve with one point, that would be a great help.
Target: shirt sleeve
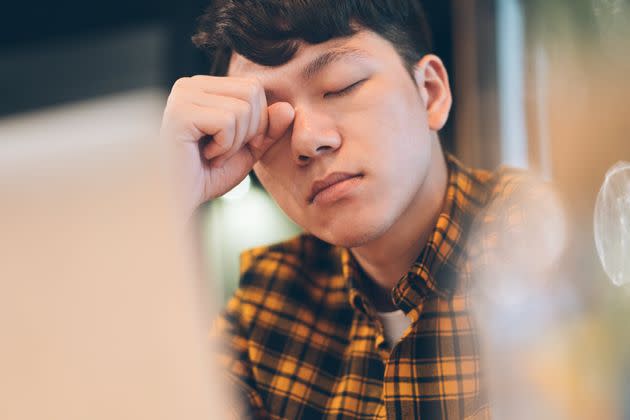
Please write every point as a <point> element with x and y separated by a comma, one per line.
<point>230,347</point>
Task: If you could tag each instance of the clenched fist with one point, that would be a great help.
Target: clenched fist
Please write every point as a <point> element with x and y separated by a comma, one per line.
<point>216,129</point>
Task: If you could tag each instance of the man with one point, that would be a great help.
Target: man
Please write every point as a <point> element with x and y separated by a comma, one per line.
<point>336,107</point>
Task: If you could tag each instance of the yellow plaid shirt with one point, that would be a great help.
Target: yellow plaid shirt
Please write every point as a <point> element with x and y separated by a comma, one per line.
<point>304,342</point>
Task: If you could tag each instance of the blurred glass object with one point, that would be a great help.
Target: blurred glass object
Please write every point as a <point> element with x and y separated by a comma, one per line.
<point>612,224</point>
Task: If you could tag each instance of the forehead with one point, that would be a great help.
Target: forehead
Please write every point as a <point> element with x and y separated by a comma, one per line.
<point>362,45</point>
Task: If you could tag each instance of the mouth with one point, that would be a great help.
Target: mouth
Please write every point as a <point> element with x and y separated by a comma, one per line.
<point>333,187</point>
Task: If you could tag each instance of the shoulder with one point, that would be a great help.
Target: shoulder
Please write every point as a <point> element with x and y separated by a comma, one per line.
<point>507,182</point>
<point>300,275</point>
<point>505,185</point>
<point>521,223</point>
<point>502,182</point>
<point>516,195</point>
<point>303,258</point>
<point>304,247</point>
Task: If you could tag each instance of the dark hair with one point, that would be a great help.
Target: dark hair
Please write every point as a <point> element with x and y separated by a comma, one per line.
<point>269,32</point>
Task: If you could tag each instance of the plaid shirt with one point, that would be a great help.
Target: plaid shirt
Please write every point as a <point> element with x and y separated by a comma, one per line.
<point>303,341</point>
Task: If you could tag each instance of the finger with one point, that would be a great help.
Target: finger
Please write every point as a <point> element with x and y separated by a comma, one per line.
<point>249,90</point>
<point>204,99</point>
<point>242,115</point>
<point>212,150</point>
<point>281,116</point>
<point>242,110</point>
<point>234,115</point>
<point>239,165</point>
<point>217,123</point>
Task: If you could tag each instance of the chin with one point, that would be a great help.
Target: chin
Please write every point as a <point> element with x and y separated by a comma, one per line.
<point>350,234</point>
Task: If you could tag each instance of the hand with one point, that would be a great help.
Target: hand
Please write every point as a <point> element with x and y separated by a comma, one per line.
<point>216,129</point>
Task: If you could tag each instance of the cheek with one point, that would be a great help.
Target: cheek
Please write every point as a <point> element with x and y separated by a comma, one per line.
<point>275,166</point>
<point>394,140</point>
<point>385,124</point>
<point>282,188</point>
<point>278,153</point>
<point>389,105</point>
<point>272,179</point>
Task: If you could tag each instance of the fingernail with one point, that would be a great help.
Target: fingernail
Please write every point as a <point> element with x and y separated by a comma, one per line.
<point>207,154</point>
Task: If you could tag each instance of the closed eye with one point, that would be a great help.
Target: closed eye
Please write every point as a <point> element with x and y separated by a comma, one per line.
<point>346,90</point>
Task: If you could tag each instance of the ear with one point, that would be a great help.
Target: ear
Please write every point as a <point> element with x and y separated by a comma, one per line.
<point>432,81</point>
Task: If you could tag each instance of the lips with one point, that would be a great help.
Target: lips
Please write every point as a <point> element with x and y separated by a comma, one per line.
<point>329,181</point>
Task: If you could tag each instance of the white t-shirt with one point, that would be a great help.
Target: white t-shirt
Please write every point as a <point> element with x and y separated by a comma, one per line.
<point>394,324</point>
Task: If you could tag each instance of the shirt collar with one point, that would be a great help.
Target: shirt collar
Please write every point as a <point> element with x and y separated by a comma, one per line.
<point>441,262</point>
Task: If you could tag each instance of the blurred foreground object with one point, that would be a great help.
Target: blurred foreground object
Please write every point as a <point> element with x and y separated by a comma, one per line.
<point>612,224</point>
<point>546,355</point>
<point>553,327</point>
<point>101,311</point>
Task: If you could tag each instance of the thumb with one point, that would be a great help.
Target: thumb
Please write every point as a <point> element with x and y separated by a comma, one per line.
<point>280,118</point>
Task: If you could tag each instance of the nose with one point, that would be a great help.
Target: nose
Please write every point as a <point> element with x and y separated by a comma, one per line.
<point>314,134</point>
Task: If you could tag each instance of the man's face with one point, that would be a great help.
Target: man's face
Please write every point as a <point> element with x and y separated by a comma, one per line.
<point>374,135</point>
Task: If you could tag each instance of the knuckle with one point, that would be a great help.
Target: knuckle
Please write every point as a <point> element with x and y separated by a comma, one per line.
<point>173,103</point>
<point>245,109</point>
<point>171,112</point>
<point>180,83</point>
<point>253,91</point>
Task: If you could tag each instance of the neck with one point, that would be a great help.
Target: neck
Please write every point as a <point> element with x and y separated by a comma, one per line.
<point>387,258</point>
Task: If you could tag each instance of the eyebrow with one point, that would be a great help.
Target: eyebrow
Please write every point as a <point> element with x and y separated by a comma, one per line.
<point>329,57</point>
<point>313,68</point>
